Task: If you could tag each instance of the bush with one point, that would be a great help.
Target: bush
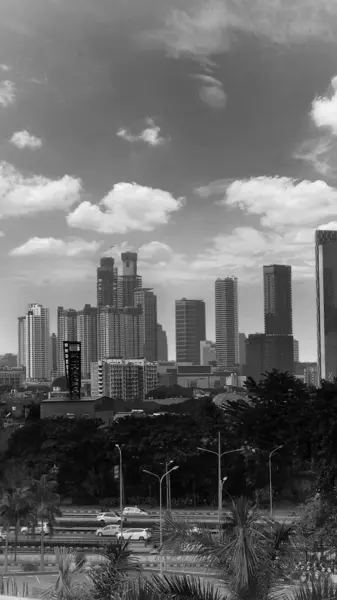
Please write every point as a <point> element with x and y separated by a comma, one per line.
<point>29,567</point>
<point>80,559</point>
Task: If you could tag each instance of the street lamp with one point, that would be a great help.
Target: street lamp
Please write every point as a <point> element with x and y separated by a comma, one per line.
<point>220,454</point>
<point>161,479</point>
<point>120,485</point>
<point>168,485</point>
<point>270,480</point>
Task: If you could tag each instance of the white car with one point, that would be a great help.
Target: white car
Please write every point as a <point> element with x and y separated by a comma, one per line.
<point>135,534</point>
<point>3,534</point>
<point>134,511</point>
<point>107,518</point>
<point>110,530</point>
<point>37,529</point>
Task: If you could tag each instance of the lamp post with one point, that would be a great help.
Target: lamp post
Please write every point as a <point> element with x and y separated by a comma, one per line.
<point>161,479</point>
<point>270,480</point>
<point>120,485</point>
<point>168,485</point>
<point>219,455</point>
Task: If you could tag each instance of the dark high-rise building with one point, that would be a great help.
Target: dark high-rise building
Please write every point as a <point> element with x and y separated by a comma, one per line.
<point>226,322</point>
<point>162,343</point>
<point>190,329</point>
<point>146,301</point>
<point>326,303</point>
<point>66,332</point>
<point>53,354</point>
<point>277,300</point>
<point>87,336</point>
<point>267,352</point>
<point>129,281</point>
<point>107,276</point>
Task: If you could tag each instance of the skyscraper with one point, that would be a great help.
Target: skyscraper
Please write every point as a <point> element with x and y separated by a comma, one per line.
<point>37,336</point>
<point>107,278</point>
<point>190,330</point>
<point>226,322</point>
<point>296,351</point>
<point>66,332</point>
<point>277,300</point>
<point>129,281</point>
<point>86,333</point>
<point>207,353</point>
<point>146,301</point>
<point>326,303</point>
<point>53,355</point>
<point>21,341</point>
<point>162,349</point>
<point>242,348</point>
<point>119,333</point>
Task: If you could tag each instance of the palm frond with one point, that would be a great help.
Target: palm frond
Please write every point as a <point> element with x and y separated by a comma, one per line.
<point>66,586</point>
<point>318,590</point>
<point>186,587</point>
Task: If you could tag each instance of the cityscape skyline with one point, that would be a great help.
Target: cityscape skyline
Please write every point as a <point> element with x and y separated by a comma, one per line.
<point>178,138</point>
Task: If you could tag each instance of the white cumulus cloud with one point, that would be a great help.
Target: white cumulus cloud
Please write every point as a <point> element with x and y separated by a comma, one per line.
<point>23,139</point>
<point>5,68</point>
<point>7,93</point>
<point>22,195</point>
<point>211,91</point>
<point>324,109</point>
<point>127,207</point>
<point>56,247</point>
<point>332,226</point>
<point>281,201</point>
<point>150,135</point>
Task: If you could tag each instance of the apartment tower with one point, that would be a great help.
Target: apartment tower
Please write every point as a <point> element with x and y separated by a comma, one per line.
<point>190,330</point>
<point>226,322</point>
<point>146,301</point>
<point>66,332</point>
<point>37,344</point>
<point>86,333</point>
<point>326,303</point>
<point>129,281</point>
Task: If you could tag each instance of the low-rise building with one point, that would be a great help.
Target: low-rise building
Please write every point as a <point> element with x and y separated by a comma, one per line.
<point>12,376</point>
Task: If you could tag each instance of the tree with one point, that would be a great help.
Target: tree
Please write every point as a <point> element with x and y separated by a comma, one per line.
<point>15,508</point>
<point>45,506</point>
<point>66,586</point>
<point>111,578</point>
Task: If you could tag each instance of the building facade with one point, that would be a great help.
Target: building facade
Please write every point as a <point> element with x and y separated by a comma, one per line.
<point>226,322</point>
<point>326,303</point>
<point>53,355</point>
<point>22,341</point>
<point>13,377</point>
<point>162,348</point>
<point>66,332</point>
<point>190,322</point>
<point>277,300</point>
<point>86,325</point>
<point>146,301</point>
<point>120,333</point>
<point>37,348</point>
<point>242,348</point>
<point>129,281</point>
<point>296,351</point>
<point>267,352</point>
<point>207,353</point>
<point>107,281</point>
<point>127,380</point>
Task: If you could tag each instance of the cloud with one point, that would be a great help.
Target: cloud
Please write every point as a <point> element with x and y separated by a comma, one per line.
<point>23,195</point>
<point>281,201</point>
<point>205,28</point>
<point>7,93</point>
<point>214,188</point>
<point>56,247</point>
<point>127,207</point>
<point>324,109</point>
<point>212,92</point>
<point>5,68</point>
<point>150,135</point>
<point>23,139</point>
<point>332,226</point>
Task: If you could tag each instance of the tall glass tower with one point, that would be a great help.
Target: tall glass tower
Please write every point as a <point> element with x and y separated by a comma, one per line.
<point>326,303</point>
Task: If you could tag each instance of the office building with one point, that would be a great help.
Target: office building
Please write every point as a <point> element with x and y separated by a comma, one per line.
<point>207,353</point>
<point>119,333</point>
<point>128,380</point>
<point>267,352</point>
<point>296,351</point>
<point>277,300</point>
<point>310,375</point>
<point>129,281</point>
<point>242,348</point>
<point>326,303</point>
<point>66,332</point>
<point>37,338</point>
<point>190,321</point>
<point>146,301</point>
<point>13,377</point>
<point>107,281</point>
<point>162,348</point>
<point>22,341</point>
<point>86,333</point>
<point>226,322</point>
<point>8,360</point>
<point>53,355</point>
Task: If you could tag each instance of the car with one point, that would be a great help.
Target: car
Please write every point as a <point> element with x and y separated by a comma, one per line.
<point>110,530</point>
<point>135,534</point>
<point>108,518</point>
<point>3,534</point>
<point>134,511</point>
<point>26,530</point>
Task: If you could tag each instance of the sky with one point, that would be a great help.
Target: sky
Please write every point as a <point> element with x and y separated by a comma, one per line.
<point>200,133</point>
